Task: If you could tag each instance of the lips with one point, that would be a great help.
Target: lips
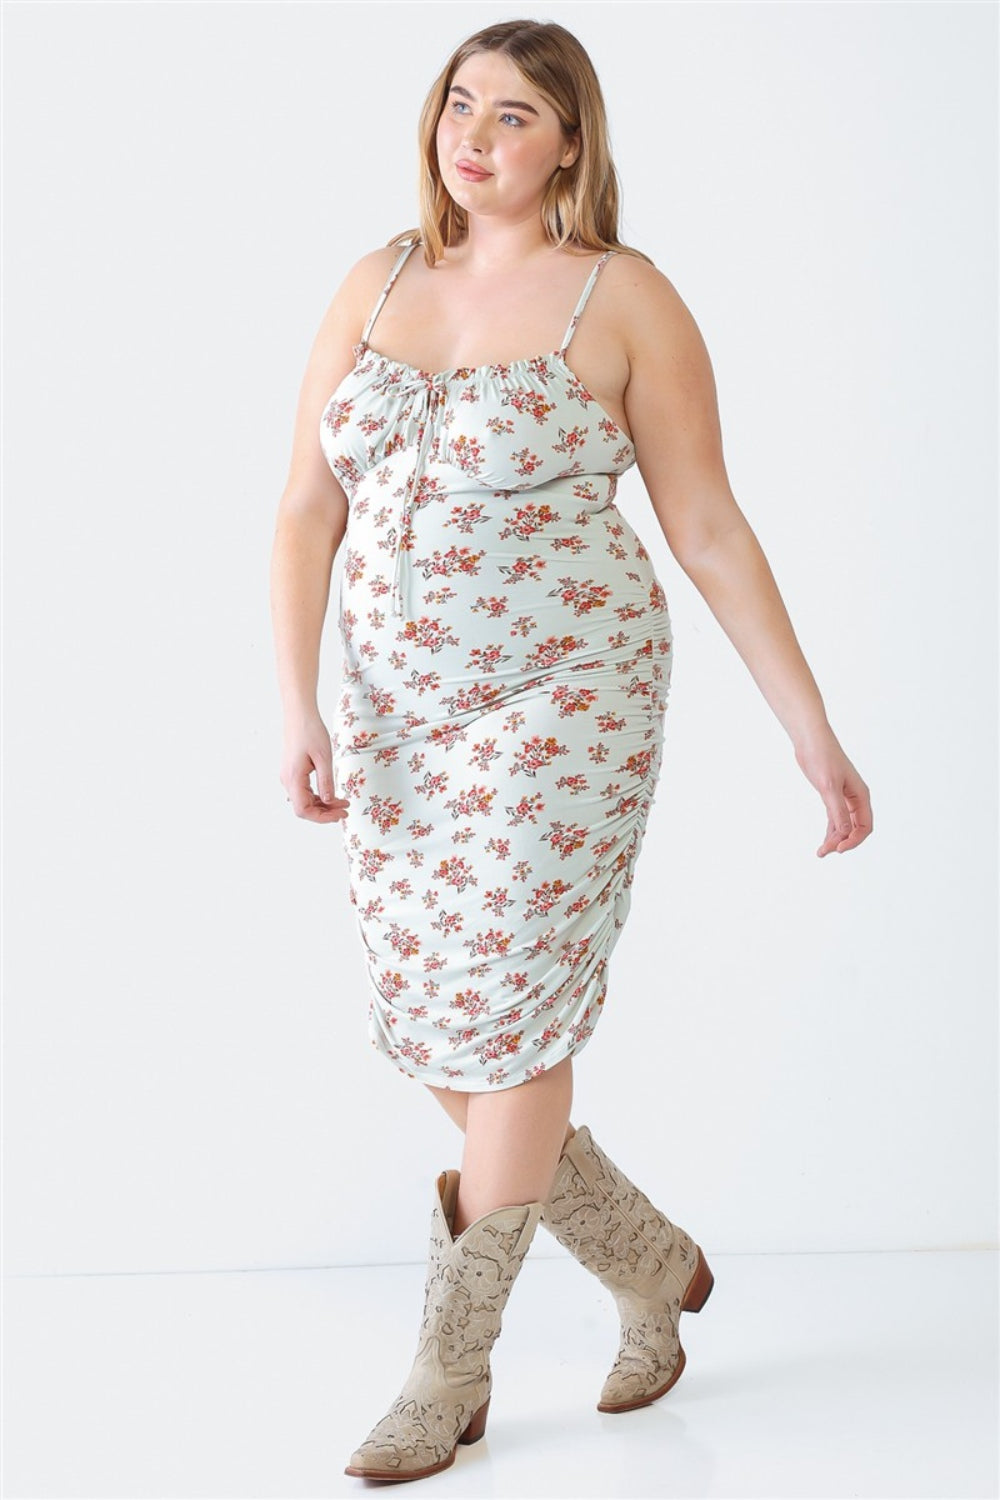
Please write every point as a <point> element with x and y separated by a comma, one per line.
<point>470,167</point>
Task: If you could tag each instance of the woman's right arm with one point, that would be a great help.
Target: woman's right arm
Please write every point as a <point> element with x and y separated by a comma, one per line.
<point>311,522</point>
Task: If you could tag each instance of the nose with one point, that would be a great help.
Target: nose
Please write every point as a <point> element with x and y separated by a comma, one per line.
<point>474,136</point>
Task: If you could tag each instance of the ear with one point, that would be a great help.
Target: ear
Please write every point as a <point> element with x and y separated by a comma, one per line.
<point>571,152</point>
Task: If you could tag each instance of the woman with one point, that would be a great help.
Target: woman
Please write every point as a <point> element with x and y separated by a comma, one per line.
<point>507,654</point>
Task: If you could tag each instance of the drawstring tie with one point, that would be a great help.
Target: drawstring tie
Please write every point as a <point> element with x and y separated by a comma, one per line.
<point>432,392</point>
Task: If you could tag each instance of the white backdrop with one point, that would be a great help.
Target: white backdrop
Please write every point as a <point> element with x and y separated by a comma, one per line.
<point>796,1054</point>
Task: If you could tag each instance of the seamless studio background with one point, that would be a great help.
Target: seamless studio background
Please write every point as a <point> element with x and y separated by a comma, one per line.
<point>799,1054</point>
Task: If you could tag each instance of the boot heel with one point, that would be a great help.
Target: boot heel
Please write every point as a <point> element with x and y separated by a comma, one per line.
<point>477,1427</point>
<point>699,1287</point>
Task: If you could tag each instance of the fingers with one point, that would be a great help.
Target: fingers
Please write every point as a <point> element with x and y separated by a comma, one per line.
<point>835,836</point>
<point>325,808</point>
<point>838,826</point>
<point>317,811</point>
<point>849,820</point>
<point>324,779</point>
<point>839,843</point>
<point>307,805</point>
<point>307,755</point>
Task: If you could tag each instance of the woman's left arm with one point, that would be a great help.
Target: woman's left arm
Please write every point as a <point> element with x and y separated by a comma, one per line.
<point>673,414</point>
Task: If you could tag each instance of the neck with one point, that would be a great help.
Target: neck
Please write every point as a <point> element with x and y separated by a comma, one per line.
<point>491,247</point>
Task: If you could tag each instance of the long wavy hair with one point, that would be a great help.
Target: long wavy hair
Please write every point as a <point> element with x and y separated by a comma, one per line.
<point>581,204</point>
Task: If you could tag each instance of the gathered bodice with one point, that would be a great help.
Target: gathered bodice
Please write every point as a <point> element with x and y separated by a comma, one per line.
<point>505,428</point>
<point>486,421</point>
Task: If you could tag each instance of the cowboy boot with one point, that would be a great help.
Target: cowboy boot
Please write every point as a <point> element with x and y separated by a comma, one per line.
<point>446,1396</point>
<point>654,1270</point>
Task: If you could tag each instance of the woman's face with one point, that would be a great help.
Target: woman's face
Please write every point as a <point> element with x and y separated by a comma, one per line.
<point>495,120</point>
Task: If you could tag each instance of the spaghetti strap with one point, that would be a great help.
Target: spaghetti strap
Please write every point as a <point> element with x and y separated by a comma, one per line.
<point>578,311</point>
<point>397,267</point>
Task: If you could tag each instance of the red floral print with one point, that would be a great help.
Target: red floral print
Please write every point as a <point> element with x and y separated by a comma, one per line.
<point>498,729</point>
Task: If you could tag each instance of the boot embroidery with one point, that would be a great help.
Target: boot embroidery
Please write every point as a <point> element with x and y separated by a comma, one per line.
<point>644,1260</point>
<point>466,1288</point>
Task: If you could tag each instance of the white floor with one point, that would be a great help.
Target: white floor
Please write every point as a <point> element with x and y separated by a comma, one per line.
<point>807,1375</point>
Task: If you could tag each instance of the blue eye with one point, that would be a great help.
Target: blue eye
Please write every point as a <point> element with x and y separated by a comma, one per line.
<point>461,104</point>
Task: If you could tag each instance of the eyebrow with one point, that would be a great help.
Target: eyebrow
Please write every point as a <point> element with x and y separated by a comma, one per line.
<point>457,88</point>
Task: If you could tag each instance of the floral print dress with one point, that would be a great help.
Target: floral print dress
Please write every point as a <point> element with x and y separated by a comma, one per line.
<point>499,726</point>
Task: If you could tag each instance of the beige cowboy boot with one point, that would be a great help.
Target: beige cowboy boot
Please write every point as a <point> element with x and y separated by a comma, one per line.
<point>653,1268</point>
<point>447,1392</point>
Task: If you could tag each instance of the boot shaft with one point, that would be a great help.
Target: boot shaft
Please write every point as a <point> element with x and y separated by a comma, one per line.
<point>610,1225</point>
<point>469,1278</point>
<point>446,1395</point>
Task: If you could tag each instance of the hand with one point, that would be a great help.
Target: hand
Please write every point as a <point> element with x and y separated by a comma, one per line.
<point>847,799</point>
<point>307,749</point>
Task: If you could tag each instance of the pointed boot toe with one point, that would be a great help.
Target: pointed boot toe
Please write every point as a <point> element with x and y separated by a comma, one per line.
<point>446,1397</point>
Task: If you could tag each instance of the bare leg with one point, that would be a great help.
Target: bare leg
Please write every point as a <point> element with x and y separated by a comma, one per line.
<point>456,1106</point>
<point>453,1103</point>
<point>513,1139</point>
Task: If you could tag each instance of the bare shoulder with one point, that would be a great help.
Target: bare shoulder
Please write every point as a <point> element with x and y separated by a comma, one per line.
<point>310,482</point>
<point>342,323</point>
<point>359,288</point>
<point>372,268</point>
<point>672,408</point>
<point>657,325</point>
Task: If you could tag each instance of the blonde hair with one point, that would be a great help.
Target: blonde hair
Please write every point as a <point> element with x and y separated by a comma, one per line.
<point>581,202</point>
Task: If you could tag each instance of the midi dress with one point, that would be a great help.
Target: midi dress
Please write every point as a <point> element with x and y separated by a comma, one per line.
<point>498,732</point>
